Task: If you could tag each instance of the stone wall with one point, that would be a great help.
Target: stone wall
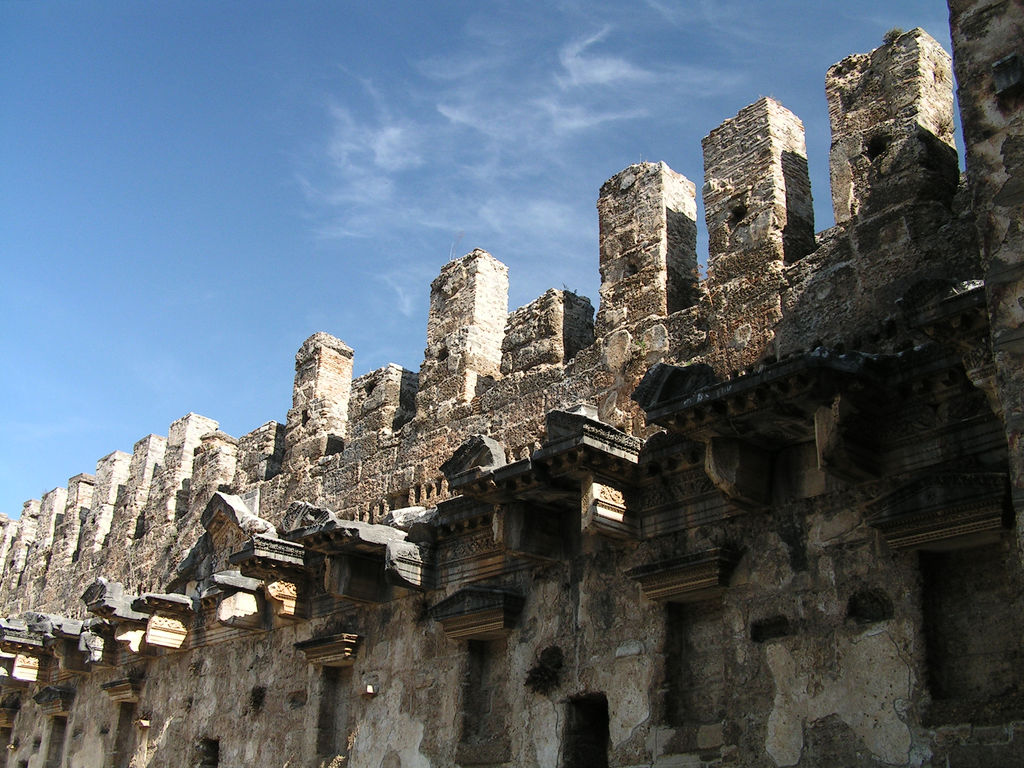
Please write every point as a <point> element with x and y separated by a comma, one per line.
<point>769,518</point>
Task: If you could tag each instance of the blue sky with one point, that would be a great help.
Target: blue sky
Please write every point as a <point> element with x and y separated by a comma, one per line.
<point>190,189</point>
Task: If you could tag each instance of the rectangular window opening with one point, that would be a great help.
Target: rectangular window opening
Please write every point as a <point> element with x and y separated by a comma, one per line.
<point>972,626</point>
<point>484,737</point>
<point>332,724</point>
<point>585,744</point>
<point>55,744</point>
<point>694,689</point>
<point>121,755</point>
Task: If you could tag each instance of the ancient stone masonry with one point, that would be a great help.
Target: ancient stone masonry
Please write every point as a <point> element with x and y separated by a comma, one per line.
<point>768,518</point>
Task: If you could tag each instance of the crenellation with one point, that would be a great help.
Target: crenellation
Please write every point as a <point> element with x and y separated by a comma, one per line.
<point>317,421</point>
<point>465,328</point>
<point>891,113</point>
<point>648,245</point>
<point>759,520</point>
<point>112,473</point>
<point>51,515</point>
<point>548,331</point>
<point>214,467</point>
<point>382,402</point>
<point>25,537</point>
<point>168,492</point>
<point>260,454</point>
<point>148,457</point>
<point>66,535</point>
<point>757,204</point>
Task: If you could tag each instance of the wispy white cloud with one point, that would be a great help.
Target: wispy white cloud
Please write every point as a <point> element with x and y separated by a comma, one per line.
<point>582,69</point>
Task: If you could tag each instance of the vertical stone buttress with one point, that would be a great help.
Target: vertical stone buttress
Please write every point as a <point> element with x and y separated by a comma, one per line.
<point>468,308</point>
<point>891,113</point>
<point>318,417</point>
<point>28,530</point>
<point>382,401</point>
<point>988,49</point>
<point>8,532</point>
<point>758,208</point>
<point>51,515</point>
<point>648,245</point>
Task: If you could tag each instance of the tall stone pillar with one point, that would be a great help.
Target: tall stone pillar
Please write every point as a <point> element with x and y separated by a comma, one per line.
<point>891,113</point>
<point>112,472</point>
<point>465,328</point>
<point>318,417</point>
<point>648,245</point>
<point>758,208</point>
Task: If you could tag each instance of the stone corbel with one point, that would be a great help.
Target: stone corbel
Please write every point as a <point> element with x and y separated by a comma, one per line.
<point>238,601</point>
<point>171,616</point>
<point>283,598</point>
<point>280,564</point>
<point>96,642</point>
<point>26,669</point>
<point>331,651</point>
<point>740,470</point>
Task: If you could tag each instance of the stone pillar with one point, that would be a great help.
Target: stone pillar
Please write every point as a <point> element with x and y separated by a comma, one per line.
<point>757,204</point>
<point>648,242</point>
<point>8,533</point>
<point>27,530</point>
<point>112,472</point>
<point>989,56</point>
<point>318,417</point>
<point>548,331</point>
<point>891,113</point>
<point>468,307</point>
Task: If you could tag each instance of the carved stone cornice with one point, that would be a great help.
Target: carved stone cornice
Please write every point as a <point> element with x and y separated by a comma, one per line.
<point>123,690</point>
<point>331,651</point>
<point>478,613</point>
<point>268,557</point>
<point>687,578</point>
<point>943,509</point>
<point>55,699</point>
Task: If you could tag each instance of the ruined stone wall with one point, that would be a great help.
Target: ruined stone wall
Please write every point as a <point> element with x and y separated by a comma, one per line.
<point>761,519</point>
